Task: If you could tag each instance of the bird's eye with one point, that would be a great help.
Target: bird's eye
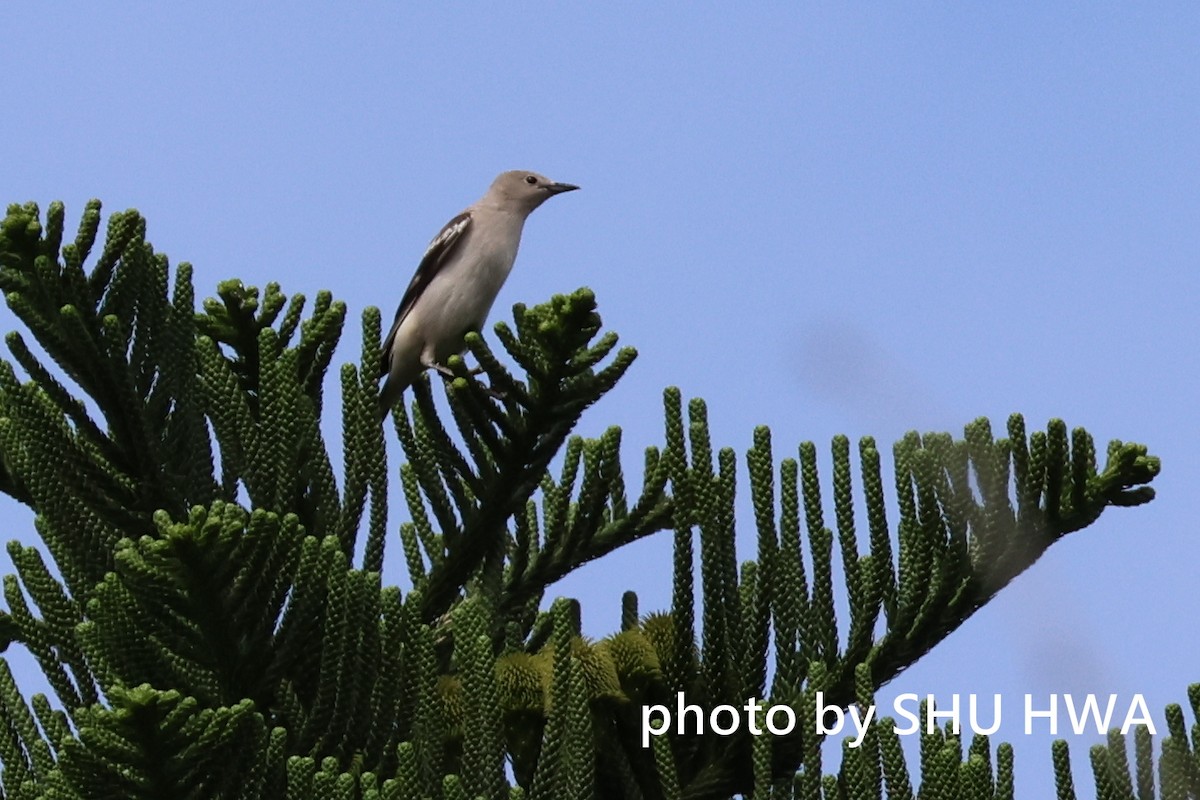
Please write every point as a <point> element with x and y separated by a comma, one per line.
<point>531,179</point>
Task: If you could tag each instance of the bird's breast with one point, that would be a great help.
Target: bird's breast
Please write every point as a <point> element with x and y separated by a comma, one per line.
<point>462,293</point>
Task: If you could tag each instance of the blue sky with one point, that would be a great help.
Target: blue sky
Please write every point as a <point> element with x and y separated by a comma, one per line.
<point>829,218</point>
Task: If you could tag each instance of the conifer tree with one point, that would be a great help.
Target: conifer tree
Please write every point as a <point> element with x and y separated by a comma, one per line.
<point>209,610</point>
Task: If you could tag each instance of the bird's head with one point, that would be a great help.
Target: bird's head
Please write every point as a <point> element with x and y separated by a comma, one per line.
<point>525,189</point>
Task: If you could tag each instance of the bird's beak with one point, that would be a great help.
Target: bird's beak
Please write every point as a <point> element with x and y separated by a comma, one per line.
<point>559,188</point>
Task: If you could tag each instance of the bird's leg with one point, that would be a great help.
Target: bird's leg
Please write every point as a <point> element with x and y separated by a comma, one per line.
<point>443,369</point>
<point>449,375</point>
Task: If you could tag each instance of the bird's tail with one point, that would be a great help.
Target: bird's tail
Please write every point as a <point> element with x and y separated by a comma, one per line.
<point>390,394</point>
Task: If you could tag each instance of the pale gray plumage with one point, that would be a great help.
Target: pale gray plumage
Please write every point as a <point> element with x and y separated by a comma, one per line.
<point>458,279</point>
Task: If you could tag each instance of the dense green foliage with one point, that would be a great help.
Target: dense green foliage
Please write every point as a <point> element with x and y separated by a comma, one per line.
<point>213,620</point>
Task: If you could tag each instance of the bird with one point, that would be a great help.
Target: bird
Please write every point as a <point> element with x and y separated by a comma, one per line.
<point>458,280</point>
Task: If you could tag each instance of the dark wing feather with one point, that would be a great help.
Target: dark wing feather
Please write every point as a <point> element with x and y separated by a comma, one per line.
<point>437,255</point>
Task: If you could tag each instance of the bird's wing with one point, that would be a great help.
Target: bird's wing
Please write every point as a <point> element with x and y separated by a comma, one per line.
<point>437,255</point>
